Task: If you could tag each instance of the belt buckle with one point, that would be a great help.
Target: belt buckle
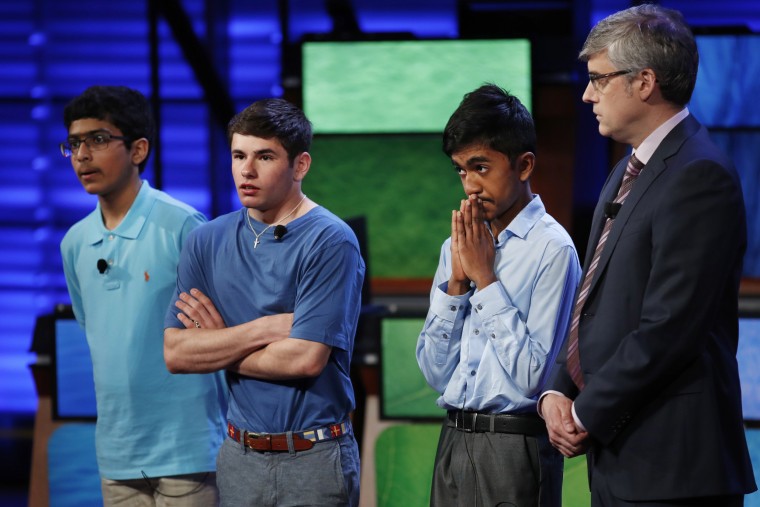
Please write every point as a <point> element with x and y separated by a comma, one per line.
<point>464,427</point>
<point>259,437</point>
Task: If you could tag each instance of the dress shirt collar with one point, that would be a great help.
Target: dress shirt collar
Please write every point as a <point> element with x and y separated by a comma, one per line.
<point>646,148</point>
<point>521,225</point>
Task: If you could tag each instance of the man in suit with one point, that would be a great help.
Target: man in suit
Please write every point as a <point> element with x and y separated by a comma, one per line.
<point>650,386</point>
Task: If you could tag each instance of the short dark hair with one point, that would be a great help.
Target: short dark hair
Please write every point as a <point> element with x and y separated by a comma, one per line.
<point>125,108</point>
<point>274,118</point>
<point>649,36</point>
<point>493,117</point>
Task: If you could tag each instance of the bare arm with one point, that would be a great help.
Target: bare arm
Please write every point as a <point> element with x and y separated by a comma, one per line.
<point>213,346</point>
<point>286,359</point>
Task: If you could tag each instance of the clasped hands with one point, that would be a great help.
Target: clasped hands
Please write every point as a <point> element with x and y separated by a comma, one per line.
<point>564,434</point>
<point>472,248</point>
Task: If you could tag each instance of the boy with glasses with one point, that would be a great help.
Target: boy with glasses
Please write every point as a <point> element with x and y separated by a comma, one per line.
<point>157,434</point>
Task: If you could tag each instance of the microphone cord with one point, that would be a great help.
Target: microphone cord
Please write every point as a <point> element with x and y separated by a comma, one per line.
<point>275,225</point>
<point>469,454</point>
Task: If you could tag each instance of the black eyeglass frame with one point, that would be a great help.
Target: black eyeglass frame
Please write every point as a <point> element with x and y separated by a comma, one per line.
<point>67,150</point>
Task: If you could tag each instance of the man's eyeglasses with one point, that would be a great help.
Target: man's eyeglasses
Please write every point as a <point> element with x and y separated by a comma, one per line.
<point>599,81</point>
<point>94,142</point>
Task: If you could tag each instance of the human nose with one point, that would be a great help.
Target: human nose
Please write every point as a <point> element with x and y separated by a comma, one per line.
<point>80,154</point>
<point>247,169</point>
<point>471,184</point>
<point>589,94</point>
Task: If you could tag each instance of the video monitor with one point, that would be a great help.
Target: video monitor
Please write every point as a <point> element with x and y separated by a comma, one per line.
<point>403,185</point>
<point>358,225</point>
<point>73,393</point>
<point>728,84</point>
<point>404,392</point>
<point>728,81</point>
<point>404,86</point>
<point>748,357</point>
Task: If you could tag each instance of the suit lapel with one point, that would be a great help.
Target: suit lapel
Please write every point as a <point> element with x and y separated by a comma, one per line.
<point>654,167</point>
<point>608,193</point>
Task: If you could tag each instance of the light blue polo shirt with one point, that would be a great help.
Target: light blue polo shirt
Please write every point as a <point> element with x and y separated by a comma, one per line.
<point>148,419</point>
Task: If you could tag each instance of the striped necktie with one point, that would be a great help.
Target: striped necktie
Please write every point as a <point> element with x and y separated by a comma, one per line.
<point>573,358</point>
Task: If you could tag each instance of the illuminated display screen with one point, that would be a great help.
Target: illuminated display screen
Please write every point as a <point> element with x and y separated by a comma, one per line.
<point>405,394</point>
<point>74,388</point>
<point>727,80</point>
<point>405,86</point>
<point>403,184</point>
<point>748,356</point>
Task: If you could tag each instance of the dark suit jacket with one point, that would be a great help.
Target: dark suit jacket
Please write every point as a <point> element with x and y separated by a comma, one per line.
<point>658,333</point>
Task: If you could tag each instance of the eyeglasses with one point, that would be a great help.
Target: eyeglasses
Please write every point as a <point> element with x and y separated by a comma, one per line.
<point>599,81</point>
<point>95,141</point>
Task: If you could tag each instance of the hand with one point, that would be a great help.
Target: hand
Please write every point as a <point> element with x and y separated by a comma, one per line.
<point>475,243</point>
<point>458,283</point>
<point>198,311</point>
<point>564,435</point>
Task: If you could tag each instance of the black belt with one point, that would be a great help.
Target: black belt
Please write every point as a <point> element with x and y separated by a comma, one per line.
<point>524,424</point>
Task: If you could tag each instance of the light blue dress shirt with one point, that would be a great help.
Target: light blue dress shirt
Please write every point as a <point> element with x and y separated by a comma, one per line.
<point>491,350</point>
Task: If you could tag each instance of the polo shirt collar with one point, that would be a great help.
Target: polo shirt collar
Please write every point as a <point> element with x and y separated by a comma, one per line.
<point>133,222</point>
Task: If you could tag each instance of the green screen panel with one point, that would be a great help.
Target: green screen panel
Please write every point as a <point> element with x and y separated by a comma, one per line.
<point>405,86</point>
<point>404,185</point>
<point>575,490</point>
<point>405,394</point>
<point>404,459</point>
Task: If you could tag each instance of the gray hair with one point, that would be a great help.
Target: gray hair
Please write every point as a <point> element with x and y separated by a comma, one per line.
<point>649,36</point>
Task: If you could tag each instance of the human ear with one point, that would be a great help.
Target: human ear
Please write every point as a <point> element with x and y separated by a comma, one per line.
<point>525,163</point>
<point>139,150</point>
<point>648,81</point>
<point>302,164</point>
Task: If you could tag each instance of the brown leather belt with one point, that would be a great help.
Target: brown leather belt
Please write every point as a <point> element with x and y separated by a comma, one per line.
<point>523,424</point>
<point>278,442</point>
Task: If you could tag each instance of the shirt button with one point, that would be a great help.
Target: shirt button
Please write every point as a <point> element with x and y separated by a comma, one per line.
<point>477,331</point>
<point>110,237</point>
<point>480,307</point>
<point>472,373</point>
<point>493,336</point>
<point>445,336</point>
<point>453,308</point>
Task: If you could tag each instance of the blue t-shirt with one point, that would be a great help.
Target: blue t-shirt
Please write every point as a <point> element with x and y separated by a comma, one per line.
<point>315,272</point>
<point>148,419</point>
